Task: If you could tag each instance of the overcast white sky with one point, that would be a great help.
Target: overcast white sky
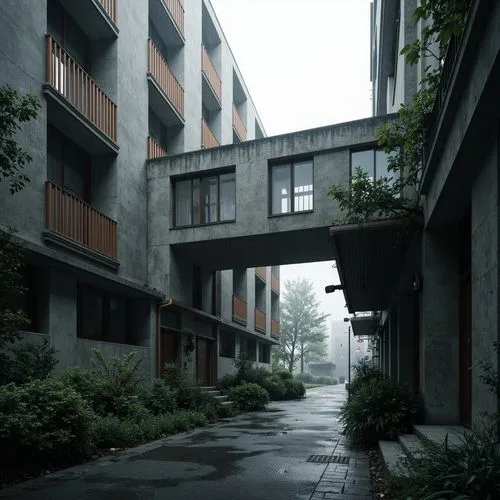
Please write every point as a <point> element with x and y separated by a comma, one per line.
<point>306,63</point>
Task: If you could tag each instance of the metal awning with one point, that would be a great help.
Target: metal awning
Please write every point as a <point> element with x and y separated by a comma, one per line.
<point>365,325</point>
<point>369,257</point>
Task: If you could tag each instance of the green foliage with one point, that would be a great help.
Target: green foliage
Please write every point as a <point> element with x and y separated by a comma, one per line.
<point>308,378</point>
<point>26,362</point>
<point>160,398</point>
<point>275,387</point>
<point>295,389</point>
<point>283,374</point>
<point>468,470</point>
<point>364,372</point>
<point>195,399</point>
<point>302,326</point>
<point>249,397</point>
<point>379,409</point>
<point>42,421</point>
<point>15,109</point>
<point>227,382</point>
<point>173,375</point>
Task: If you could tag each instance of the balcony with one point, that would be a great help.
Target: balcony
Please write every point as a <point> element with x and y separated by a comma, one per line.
<point>260,320</point>
<point>275,283</point>
<point>238,126</point>
<point>74,224</point>
<point>167,94</point>
<point>275,328</point>
<point>239,310</point>
<point>97,18</point>
<point>78,106</point>
<point>208,139</point>
<point>211,76</point>
<point>155,150</point>
<point>261,273</point>
<point>176,12</point>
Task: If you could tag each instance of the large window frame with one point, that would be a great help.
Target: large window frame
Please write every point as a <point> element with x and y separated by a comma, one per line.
<point>291,163</point>
<point>200,187</point>
<point>374,150</point>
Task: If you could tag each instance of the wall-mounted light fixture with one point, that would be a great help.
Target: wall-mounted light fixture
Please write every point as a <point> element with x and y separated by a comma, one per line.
<point>332,288</point>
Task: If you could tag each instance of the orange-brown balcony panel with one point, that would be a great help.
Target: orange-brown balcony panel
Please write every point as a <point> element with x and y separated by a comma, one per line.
<point>208,68</point>
<point>275,328</point>
<point>71,217</point>
<point>166,80</point>
<point>208,139</point>
<point>110,7</point>
<point>66,77</point>
<point>275,283</point>
<point>238,125</point>
<point>177,12</point>
<point>260,320</point>
<point>261,272</point>
<point>155,150</point>
<point>239,309</point>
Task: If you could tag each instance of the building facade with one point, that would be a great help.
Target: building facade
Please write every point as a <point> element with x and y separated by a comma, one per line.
<point>121,82</point>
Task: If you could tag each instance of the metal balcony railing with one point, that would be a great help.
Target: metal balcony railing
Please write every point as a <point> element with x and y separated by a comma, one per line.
<point>160,71</point>
<point>275,328</point>
<point>110,7</point>
<point>239,309</point>
<point>208,68</point>
<point>177,12</point>
<point>78,88</point>
<point>155,150</point>
<point>208,139</point>
<point>261,272</point>
<point>69,216</point>
<point>238,125</point>
<point>260,320</point>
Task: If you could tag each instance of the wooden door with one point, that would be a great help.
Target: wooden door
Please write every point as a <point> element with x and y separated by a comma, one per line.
<point>169,347</point>
<point>202,361</point>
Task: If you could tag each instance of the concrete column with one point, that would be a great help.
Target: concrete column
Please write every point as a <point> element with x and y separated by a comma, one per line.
<point>439,341</point>
<point>393,345</point>
<point>406,340</point>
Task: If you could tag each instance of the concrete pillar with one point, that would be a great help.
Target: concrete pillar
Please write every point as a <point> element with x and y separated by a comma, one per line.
<point>406,340</point>
<point>439,340</point>
<point>393,344</point>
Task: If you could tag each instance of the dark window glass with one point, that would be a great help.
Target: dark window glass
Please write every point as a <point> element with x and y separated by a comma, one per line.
<point>264,353</point>
<point>280,189</point>
<point>365,160</point>
<point>248,347</point>
<point>210,187</point>
<point>303,186</point>
<point>91,314</point>
<point>28,300</point>
<point>197,288</point>
<point>227,345</point>
<point>183,203</point>
<point>228,196</point>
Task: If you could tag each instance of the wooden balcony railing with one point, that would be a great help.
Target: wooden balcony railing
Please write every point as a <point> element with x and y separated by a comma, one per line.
<point>208,139</point>
<point>260,320</point>
<point>275,283</point>
<point>177,12</point>
<point>275,328</point>
<point>238,125</point>
<point>261,272</point>
<point>160,71</point>
<point>69,216</point>
<point>208,68</point>
<point>155,150</point>
<point>76,86</point>
<point>239,309</point>
<point>110,7</point>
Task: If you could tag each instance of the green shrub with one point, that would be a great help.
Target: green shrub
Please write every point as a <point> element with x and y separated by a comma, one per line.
<point>284,374</point>
<point>294,389</point>
<point>380,409</point>
<point>275,387</point>
<point>335,381</point>
<point>26,362</point>
<point>160,398</point>
<point>85,383</point>
<point>43,421</point>
<point>195,399</point>
<point>363,373</point>
<point>113,432</point>
<point>468,470</point>
<point>174,375</point>
<point>305,377</point>
<point>227,382</point>
<point>249,397</point>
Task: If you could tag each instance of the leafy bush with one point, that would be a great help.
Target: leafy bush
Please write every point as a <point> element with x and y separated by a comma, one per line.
<point>468,470</point>
<point>43,421</point>
<point>275,387</point>
<point>284,374</point>
<point>380,409</point>
<point>195,399</point>
<point>227,382</point>
<point>85,383</point>
<point>160,398</point>
<point>294,389</point>
<point>363,373</point>
<point>26,362</point>
<point>305,377</point>
<point>249,397</point>
<point>173,375</point>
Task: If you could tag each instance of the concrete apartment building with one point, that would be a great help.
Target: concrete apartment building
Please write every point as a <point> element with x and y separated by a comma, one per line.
<point>121,82</point>
<point>437,293</point>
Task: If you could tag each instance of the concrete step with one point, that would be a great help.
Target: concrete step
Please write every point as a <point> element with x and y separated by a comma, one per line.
<point>411,444</point>
<point>394,457</point>
<point>227,404</point>
<point>438,433</point>
<point>221,399</point>
<point>208,388</point>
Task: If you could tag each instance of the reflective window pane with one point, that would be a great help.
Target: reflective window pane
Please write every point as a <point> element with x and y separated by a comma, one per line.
<point>210,187</point>
<point>280,189</point>
<point>228,196</point>
<point>381,162</point>
<point>196,202</point>
<point>303,186</point>
<point>365,160</point>
<point>183,203</point>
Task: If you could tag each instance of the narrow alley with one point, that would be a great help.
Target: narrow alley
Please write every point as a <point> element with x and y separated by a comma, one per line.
<point>280,454</point>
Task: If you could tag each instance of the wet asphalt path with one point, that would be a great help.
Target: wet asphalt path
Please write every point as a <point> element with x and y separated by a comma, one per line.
<point>253,456</point>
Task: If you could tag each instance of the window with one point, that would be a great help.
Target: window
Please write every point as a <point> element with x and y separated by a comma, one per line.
<point>205,200</point>
<point>372,161</point>
<point>291,187</point>
<point>29,300</point>
<point>264,353</point>
<point>101,316</point>
<point>227,345</point>
<point>248,347</point>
